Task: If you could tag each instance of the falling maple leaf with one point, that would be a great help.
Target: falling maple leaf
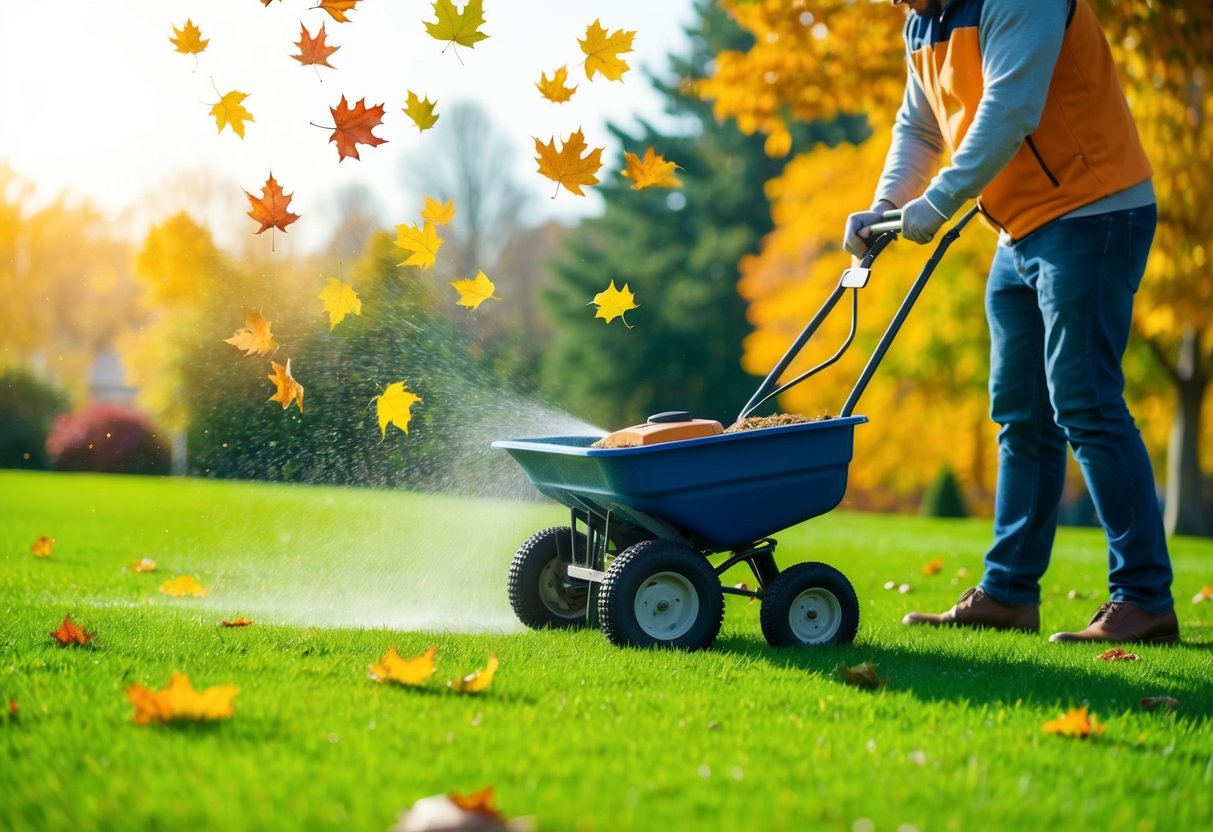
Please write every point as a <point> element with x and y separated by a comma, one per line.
<point>339,300</point>
<point>353,126</point>
<point>288,389</point>
<point>270,209</point>
<point>43,547</point>
<point>1118,654</point>
<point>863,675</point>
<point>180,702</point>
<point>183,586</point>
<point>395,407</point>
<point>337,8</point>
<point>612,303</point>
<point>229,111</point>
<point>453,26</point>
<point>69,633</point>
<point>188,39</point>
<point>422,244</point>
<point>554,88</point>
<point>144,565</point>
<point>1074,723</point>
<point>255,338</point>
<point>602,51</point>
<point>313,51</point>
<point>478,681</point>
<point>567,166</point>
<point>474,291</point>
<point>932,567</point>
<point>394,668</point>
<point>421,111</point>
<point>439,213</point>
<point>653,171</point>
<point>237,622</point>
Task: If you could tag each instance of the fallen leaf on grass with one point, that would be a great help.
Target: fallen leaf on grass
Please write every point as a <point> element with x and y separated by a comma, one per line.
<point>180,702</point>
<point>43,547</point>
<point>237,622</point>
<point>394,668</point>
<point>863,675</point>
<point>458,813</point>
<point>477,681</point>
<point>69,633</point>
<point>14,709</point>
<point>184,585</point>
<point>1205,594</point>
<point>1159,703</point>
<point>1076,722</point>
<point>1117,654</point>
<point>932,567</point>
<point>144,565</point>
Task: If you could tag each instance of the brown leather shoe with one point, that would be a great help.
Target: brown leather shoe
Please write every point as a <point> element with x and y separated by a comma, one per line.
<point>976,609</point>
<point>1119,621</point>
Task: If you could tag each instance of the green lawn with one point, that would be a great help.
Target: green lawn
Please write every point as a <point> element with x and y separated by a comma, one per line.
<point>574,732</point>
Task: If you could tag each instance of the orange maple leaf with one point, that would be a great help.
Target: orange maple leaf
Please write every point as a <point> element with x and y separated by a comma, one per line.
<point>43,547</point>
<point>270,209</point>
<point>237,622</point>
<point>180,702</point>
<point>863,675</point>
<point>255,338</point>
<point>653,171</point>
<point>337,8</point>
<point>1074,723</point>
<point>554,89</point>
<point>932,567</point>
<point>288,389</point>
<point>1118,654</point>
<point>567,166</point>
<point>69,633</point>
<point>394,668</point>
<point>144,565</point>
<point>477,681</point>
<point>313,51</point>
<point>478,802</point>
<point>184,585</point>
<point>354,126</point>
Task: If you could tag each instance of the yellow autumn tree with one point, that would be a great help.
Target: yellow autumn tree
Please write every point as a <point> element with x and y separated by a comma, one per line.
<point>830,57</point>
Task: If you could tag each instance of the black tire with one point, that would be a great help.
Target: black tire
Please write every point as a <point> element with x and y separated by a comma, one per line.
<point>541,593</point>
<point>809,604</point>
<point>661,594</point>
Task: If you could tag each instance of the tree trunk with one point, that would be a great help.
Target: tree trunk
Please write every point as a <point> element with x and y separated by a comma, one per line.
<point>1184,510</point>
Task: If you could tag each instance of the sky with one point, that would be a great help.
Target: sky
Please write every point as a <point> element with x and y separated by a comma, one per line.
<point>95,103</point>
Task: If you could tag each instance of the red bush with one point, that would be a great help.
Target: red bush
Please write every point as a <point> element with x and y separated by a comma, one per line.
<point>108,438</point>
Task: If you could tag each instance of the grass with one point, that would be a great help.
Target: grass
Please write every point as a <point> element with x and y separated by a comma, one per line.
<point>576,733</point>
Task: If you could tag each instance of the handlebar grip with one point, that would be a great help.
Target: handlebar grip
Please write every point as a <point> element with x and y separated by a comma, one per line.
<point>892,222</point>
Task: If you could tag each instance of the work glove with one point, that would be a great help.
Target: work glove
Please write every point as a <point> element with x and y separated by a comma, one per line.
<point>920,221</point>
<point>856,237</point>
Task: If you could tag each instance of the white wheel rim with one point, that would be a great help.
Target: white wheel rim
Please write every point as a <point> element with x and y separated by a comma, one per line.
<point>815,616</point>
<point>552,593</point>
<point>666,606</point>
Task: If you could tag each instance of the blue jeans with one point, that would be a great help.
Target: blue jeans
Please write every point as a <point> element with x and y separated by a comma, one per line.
<point>1059,302</point>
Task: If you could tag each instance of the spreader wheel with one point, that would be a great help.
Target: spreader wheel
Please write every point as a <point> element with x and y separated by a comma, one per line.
<point>541,591</point>
<point>660,593</point>
<point>809,603</point>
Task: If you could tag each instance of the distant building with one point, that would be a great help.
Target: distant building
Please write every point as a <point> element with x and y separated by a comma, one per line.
<point>107,381</point>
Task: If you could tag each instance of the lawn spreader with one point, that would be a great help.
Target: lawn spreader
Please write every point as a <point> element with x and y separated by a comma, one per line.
<point>647,517</point>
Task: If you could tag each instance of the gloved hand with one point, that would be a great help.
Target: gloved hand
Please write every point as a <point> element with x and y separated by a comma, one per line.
<point>920,221</point>
<point>855,236</point>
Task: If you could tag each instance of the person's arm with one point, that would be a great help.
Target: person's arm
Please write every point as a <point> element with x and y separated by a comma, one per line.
<point>1020,41</point>
<point>915,152</point>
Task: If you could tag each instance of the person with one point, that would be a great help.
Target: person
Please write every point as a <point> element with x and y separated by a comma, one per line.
<point>1024,98</point>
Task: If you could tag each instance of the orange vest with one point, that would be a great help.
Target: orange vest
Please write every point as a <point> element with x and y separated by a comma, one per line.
<point>1086,145</point>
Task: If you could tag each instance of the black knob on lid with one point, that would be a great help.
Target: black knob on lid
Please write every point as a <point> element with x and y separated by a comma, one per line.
<point>670,416</point>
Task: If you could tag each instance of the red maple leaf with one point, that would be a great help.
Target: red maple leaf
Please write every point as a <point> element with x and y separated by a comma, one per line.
<point>354,126</point>
<point>313,50</point>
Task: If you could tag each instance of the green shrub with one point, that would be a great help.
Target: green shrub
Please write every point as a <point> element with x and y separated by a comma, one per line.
<point>943,497</point>
<point>28,407</point>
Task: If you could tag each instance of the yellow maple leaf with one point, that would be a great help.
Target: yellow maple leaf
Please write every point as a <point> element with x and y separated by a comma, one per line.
<point>602,51</point>
<point>180,702</point>
<point>229,111</point>
<point>338,8</point>
<point>475,291</point>
<point>421,243</point>
<point>421,111</point>
<point>144,565</point>
<point>653,171</point>
<point>43,547</point>
<point>453,26</point>
<point>439,213</point>
<point>554,89</point>
<point>612,303</point>
<point>255,338</point>
<point>395,407</point>
<point>567,166</point>
<point>1074,723</point>
<point>288,389</point>
<point>477,681</point>
<point>184,585</point>
<point>339,299</point>
<point>188,39</point>
<point>395,668</point>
